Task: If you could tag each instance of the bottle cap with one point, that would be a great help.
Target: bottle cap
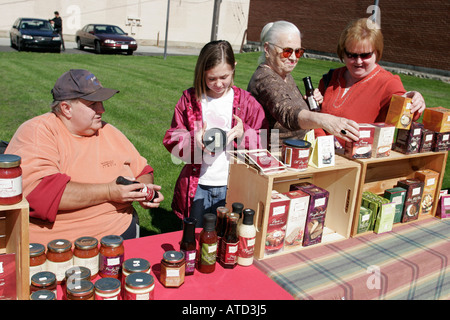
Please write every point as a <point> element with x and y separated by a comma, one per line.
<point>237,207</point>
<point>209,222</point>
<point>248,216</point>
<point>307,82</point>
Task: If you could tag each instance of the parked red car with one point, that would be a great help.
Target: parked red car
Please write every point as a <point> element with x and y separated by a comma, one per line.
<point>104,38</point>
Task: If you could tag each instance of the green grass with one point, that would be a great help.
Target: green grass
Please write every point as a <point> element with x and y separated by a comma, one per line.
<point>149,89</point>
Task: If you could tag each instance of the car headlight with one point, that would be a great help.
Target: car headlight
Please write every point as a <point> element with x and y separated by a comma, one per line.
<point>57,38</point>
<point>109,41</point>
<point>27,36</point>
<point>133,42</point>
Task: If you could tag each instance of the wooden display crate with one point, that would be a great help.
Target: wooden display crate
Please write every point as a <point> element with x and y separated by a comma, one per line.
<point>379,174</point>
<point>248,186</point>
<point>14,239</point>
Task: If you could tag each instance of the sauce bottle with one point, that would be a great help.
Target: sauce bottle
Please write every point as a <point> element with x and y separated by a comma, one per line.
<point>208,244</point>
<point>230,242</point>
<point>247,235</point>
<point>188,245</point>
<point>309,91</point>
<point>221,227</point>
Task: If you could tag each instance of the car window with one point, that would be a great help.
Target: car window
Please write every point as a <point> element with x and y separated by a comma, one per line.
<point>36,25</point>
<point>89,28</point>
<point>104,29</point>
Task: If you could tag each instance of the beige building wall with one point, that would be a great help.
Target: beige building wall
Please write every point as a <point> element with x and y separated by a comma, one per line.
<point>190,21</point>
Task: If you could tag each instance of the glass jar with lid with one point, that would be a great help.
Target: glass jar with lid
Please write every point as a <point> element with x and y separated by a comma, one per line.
<point>111,256</point>
<point>86,254</point>
<point>80,290</point>
<point>59,257</point>
<point>38,259</point>
<point>133,265</point>
<point>107,289</point>
<point>43,280</point>
<point>173,267</point>
<point>43,295</point>
<point>139,286</point>
<point>10,179</point>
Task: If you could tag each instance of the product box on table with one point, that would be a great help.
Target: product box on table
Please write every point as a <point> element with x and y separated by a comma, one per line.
<point>426,144</point>
<point>375,203</point>
<point>441,141</point>
<point>382,140</point>
<point>399,113</point>
<point>8,276</point>
<point>365,218</point>
<point>385,218</point>
<point>436,119</point>
<point>361,149</point>
<point>413,199</point>
<point>298,210</point>
<point>430,179</point>
<point>317,210</point>
<point>408,141</point>
<point>276,226</point>
<point>443,209</point>
<point>397,196</point>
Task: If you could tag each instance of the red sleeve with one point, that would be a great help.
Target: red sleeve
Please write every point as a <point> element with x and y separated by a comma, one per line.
<point>45,198</point>
<point>147,170</point>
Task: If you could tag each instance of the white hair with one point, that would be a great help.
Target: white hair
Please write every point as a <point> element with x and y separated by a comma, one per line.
<point>272,30</point>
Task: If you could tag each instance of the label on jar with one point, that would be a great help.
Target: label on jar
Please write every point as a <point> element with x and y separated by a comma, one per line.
<point>90,263</point>
<point>111,266</point>
<point>59,268</point>
<point>131,294</point>
<point>190,257</point>
<point>229,253</point>
<point>246,247</point>
<point>208,253</point>
<point>10,187</point>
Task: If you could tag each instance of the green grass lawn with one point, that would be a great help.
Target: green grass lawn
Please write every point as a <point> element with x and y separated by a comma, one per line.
<point>149,89</point>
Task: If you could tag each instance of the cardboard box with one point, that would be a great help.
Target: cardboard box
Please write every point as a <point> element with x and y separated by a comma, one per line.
<point>365,218</point>
<point>373,202</point>
<point>298,210</point>
<point>399,113</point>
<point>397,196</point>
<point>443,209</point>
<point>437,119</point>
<point>317,209</point>
<point>426,144</point>
<point>408,141</point>
<point>361,149</point>
<point>441,141</point>
<point>414,191</point>
<point>8,276</point>
<point>276,227</point>
<point>385,218</point>
<point>323,152</point>
<point>430,179</point>
<point>382,140</point>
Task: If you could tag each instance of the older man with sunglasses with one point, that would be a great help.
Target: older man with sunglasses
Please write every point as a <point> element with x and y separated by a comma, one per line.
<point>276,90</point>
<point>362,90</point>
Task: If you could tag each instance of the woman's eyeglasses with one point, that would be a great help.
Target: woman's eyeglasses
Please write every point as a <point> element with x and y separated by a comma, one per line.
<point>355,56</point>
<point>287,52</point>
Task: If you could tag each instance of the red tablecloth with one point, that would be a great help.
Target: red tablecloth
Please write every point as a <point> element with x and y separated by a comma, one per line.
<point>240,283</point>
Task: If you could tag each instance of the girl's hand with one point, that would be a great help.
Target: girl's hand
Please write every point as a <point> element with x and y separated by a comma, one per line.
<point>198,136</point>
<point>237,131</point>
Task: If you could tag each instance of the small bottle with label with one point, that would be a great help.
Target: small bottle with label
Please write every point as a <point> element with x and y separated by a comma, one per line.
<point>230,242</point>
<point>309,91</point>
<point>188,245</point>
<point>247,235</point>
<point>208,244</point>
<point>221,227</point>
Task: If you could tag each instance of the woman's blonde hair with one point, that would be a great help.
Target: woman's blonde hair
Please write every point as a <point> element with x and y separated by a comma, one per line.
<point>211,55</point>
<point>360,30</point>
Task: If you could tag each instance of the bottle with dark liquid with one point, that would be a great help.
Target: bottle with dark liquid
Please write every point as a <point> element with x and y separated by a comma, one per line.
<point>188,245</point>
<point>230,242</point>
<point>207,244</point>
<point>237,207</point>
<point>309,91</point>
<point>221,226</point>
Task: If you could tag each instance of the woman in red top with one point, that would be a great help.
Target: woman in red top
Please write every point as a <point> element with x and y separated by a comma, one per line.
<point>362,90</point>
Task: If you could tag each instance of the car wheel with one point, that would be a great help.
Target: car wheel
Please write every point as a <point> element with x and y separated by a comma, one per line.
<point>130,52</point>
<point>79,45</point>
<point>19,45</point>
<point>11,41</point>
<point>98,49</point>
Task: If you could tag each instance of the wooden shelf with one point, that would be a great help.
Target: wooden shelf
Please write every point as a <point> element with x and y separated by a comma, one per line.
<point>14,239</point>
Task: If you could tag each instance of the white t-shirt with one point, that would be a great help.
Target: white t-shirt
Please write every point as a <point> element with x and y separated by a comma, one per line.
<point>218,114</point>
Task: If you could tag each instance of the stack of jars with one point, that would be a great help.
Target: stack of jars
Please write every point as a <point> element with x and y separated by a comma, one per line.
<point>76,269</point>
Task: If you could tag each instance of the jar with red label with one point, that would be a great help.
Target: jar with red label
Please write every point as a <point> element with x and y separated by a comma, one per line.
<point>59,257</point>
<point>86,254</point>
<point>80,290</point>
<point>111,256</point>
<point>38,259</point>
<point>10,179</point>
<point>107,289</point>
<point>139,286</point>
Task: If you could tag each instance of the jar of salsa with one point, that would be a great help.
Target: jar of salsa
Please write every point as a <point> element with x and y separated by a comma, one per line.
<point>111,256</point>
<point>86,254</point>
<point>59,257</point>
<point>107,289</point>
<point>139,286</point>
<point>134,265</point>
<point>43,280</point>
<point>38,259</point>
<point>43,295</point>
<point>10,179</point>
<point>173,267</point>
<point>80,290</point>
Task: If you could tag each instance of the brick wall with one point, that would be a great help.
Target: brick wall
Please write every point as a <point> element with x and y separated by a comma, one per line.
<point>416,32</point>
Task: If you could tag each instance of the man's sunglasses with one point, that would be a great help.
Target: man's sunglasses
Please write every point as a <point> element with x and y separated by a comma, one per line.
<point>287,52</point>
<point>355,56</point>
